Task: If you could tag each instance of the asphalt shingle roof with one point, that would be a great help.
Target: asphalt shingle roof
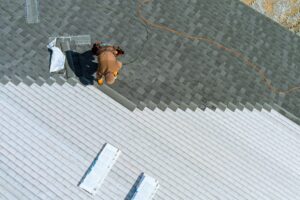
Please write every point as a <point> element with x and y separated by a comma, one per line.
<point>170,69</point>
<point>50,134</point>
<point>52,128</point>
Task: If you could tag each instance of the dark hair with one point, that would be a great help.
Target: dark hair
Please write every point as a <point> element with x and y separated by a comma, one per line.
<point>120,51</point>
<point>95,49</point>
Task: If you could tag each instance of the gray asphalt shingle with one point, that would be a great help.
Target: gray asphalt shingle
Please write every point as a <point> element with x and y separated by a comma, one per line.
<point>170,68</point>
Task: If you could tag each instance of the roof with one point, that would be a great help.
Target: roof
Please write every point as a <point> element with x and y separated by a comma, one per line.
<point>225,142</point>
<point>50,135</point>
<point>167,68</point>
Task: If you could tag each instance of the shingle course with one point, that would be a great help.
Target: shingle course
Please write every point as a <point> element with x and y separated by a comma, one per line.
<point>193,154</point>
<point>219,76</point>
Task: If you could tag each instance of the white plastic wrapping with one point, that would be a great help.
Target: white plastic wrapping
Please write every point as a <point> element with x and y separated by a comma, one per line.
<point>58,59</point>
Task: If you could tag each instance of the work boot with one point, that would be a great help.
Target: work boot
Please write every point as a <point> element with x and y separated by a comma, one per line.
<point>100,81</point>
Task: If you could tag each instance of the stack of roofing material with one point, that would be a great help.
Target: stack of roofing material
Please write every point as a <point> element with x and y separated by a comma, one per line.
<point>32,11</point>
<point>146,189</point>
<point>99,169</point>
<point>50,135</point>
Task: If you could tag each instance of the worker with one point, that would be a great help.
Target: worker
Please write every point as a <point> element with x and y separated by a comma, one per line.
<point>108,65</point>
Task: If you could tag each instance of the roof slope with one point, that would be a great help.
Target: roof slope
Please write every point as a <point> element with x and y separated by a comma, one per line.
<point>170,68</point>
<point>51,134</point>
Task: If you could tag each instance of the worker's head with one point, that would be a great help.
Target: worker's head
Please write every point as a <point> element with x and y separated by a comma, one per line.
<point>109,78</point>
<point>96,49</point>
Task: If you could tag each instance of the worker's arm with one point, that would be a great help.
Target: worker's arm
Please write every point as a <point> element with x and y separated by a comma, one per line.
<point>119,65</point>
<point>100,69</point>
<point>119,51</point>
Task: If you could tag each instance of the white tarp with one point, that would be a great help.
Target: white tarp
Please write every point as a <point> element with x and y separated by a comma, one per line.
<point>57,62</point>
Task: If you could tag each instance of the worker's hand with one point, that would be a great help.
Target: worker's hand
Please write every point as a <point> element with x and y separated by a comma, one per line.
<point>115,53</point>
<point>120,51</point>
